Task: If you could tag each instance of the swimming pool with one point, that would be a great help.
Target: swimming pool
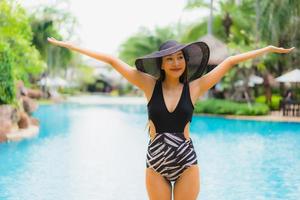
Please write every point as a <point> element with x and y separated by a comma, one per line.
<point>98,152</point>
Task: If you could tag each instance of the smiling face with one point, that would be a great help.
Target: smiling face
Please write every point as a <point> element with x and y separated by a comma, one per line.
<point>174,64</point>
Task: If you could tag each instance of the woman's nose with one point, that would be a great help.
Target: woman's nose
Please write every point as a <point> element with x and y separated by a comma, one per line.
<point>175,62</point>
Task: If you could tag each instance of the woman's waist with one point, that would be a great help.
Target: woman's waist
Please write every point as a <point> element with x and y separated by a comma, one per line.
<point>176,136</point>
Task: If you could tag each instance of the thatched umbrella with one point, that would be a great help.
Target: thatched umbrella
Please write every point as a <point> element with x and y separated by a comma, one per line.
<point>218,49</point>
<point>290,77</point>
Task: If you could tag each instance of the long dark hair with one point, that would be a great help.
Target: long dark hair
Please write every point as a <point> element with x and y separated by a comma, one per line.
<point>182,78</point>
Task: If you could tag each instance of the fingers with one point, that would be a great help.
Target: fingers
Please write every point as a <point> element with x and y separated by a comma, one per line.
<point>51,39</point>
<point>282,50</point>
<point>291,49</point>
<point>54,41</point>
<point>59,43</point>
<point>288,50</point>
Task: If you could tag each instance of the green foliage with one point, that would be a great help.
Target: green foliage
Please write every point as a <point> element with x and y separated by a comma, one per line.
<point>194,31</point>
<point>279,26</point>
<point>83,76</point>
<point>57,58</point>
<point>275,100</point>
<point>242,17</point>
<point>7,89</point>
<point>15,31</point>
<point>14,21</point>
<point>278,23</point>
<point>191,4</point>
<point>217,106</point>
<point>144,42</point>
<point>43,28</point>
<point>242,35</point>
<point>126,89</point>
<point>69,91</point>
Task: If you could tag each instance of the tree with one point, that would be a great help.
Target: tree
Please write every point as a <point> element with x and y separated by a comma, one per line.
<point>7,89</point>
<point>16,34</point>
<point>278,25</point>
<point>46,22</point>
<point>144,42</point>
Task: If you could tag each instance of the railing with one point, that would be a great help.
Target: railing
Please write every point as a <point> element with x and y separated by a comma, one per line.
<point>290,108</point>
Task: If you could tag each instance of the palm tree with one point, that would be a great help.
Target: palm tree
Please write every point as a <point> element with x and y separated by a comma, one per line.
<point>144,42</point>
<point>46,22</point>
<point>278,23</point>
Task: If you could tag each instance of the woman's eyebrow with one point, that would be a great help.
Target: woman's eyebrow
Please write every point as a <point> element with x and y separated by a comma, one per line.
<point>176,54</point>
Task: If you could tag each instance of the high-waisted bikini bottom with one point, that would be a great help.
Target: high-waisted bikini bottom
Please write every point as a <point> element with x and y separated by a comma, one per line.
<point>170,154</point>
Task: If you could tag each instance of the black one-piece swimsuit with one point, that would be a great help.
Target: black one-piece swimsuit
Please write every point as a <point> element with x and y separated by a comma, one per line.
<point>170,153</point>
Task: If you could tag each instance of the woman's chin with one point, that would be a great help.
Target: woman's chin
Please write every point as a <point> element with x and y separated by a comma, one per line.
<point>175,75</point>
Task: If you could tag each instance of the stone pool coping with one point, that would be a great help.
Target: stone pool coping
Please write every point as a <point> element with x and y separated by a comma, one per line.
<point>20,134</point>
<point>274,117</point>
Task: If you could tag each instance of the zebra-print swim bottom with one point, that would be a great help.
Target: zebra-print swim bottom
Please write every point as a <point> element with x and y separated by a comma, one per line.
<point>170,154</point>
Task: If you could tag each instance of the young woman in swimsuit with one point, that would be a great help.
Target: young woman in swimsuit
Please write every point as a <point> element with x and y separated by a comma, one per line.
<point>172,81</point>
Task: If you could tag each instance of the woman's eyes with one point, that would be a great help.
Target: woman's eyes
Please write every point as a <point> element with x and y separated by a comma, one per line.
<point>170,59</point>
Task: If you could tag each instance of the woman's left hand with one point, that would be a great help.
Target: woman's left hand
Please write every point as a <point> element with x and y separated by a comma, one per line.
<point>279,49</point>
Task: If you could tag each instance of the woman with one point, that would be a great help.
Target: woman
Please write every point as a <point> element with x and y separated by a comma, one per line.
<point>172,81</point>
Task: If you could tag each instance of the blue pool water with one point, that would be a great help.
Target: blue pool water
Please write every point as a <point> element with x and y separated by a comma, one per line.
<point>98,152</point>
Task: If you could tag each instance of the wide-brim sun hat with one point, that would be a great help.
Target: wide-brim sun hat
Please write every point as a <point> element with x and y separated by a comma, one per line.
<point>196,56</point>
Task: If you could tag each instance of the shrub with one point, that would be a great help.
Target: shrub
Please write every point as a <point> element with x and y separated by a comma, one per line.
<point>217,106</point>
<point>275,100</point>
<point>7,88</point>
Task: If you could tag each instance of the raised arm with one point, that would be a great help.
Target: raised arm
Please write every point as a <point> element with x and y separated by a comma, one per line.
<point>201,85</point>
<point>140,79</point>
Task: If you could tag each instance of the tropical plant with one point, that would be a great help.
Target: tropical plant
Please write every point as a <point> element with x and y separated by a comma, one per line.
<point>16,34</point>
<point>7,89</point>
<point>218,106</point>
<point>145,42</point>
<point>254,24</point>
<point>278,25</point>
<point>46,22</point>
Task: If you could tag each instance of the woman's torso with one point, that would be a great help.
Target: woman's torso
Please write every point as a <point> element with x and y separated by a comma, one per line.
<point>169,108</point>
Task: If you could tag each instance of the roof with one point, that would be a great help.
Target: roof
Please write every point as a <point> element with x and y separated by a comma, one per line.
<point>292,76</point>
<point>218,49</point>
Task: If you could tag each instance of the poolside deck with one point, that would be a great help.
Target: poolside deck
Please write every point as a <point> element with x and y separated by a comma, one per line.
<point>273,116</point>
<point>107,100</point>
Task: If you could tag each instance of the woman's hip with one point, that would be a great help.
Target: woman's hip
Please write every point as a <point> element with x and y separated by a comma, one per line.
<point>170,148</point>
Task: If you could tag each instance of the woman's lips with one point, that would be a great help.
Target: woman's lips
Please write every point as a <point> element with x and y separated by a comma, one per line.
<point>176,69</point>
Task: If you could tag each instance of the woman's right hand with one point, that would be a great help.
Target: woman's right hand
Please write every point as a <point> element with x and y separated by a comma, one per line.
<point>59,43</point>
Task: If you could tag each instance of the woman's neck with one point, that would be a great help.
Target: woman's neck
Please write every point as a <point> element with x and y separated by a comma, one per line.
<point>171,83</point>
